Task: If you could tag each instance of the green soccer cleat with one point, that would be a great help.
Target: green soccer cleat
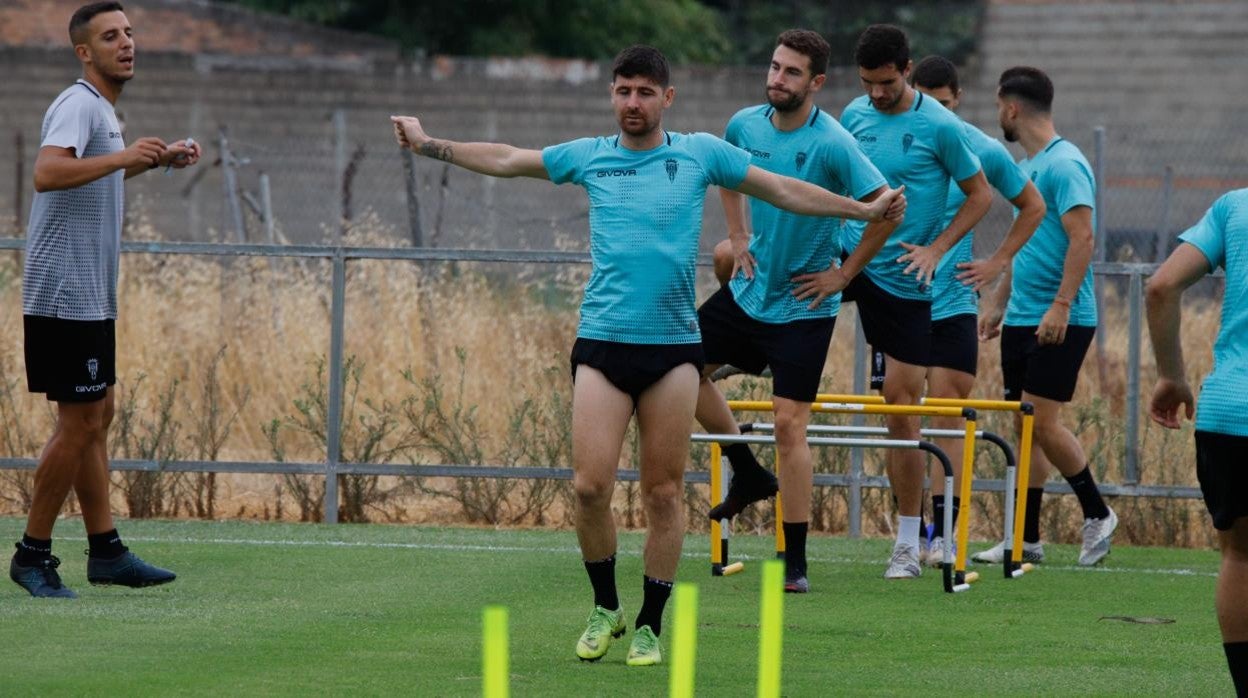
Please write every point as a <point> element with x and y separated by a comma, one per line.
<point>596,640</point>
<point>645,648</point>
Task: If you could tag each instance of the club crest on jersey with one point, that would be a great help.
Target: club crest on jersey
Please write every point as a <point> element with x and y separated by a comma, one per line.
<point>907,141</point>
<point>93,367</point>
<point>671,166</point>
<point>800,159</point>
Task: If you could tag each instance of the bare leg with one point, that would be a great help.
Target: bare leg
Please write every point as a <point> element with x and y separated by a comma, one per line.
<point>1232,593</point>
<point>91,484</point>
<point>712,409</point>
<point>903,385</point>
<point>79,428</point>
<point>797,464</point>
<point>600,414</point>
<point>1061,449</point>
<point>948,383</point>
<point>664,418</point>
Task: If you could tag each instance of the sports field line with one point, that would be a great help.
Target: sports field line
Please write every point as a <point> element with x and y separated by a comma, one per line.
<point>455,547</point>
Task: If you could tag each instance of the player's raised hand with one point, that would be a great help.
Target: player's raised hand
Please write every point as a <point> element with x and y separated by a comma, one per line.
<point>143,151</point>
<point>1168,396</point>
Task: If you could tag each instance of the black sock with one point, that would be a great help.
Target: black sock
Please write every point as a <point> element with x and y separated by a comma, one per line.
<point>1031,518</point>
<point>655,596</point>
<point>938,514</point>
<point>795,549</point>
<point>602,577</point>
<point>1089,495</point>
<point>1237,660</point>
<point>744,464</point>
<point>106,545</point>
<point>32,550</point>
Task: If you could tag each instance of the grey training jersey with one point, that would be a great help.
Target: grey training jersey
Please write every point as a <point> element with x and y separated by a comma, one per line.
<point>73,241</point>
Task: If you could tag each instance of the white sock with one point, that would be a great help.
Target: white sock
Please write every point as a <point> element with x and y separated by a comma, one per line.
<point>908,531</point>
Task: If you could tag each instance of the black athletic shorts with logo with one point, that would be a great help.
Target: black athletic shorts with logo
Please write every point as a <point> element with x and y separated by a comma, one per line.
<point>795,351</point>
<point>634,367</point>
<point>70,360</point>
<point>1223,477</point>
<point>955,346</point>
<point>1048,371</point>
<point>899,327</point>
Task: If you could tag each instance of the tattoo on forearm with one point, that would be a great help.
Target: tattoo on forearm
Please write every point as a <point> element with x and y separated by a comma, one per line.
<point>439,150</point>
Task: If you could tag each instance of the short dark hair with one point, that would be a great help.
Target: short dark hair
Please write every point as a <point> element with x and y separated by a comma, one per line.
<point>936,71</point>
<point>809,44</point>
<point>880,45</point>
<point>83,16</point>
<point>1029,85</point>
<point>641,61</point>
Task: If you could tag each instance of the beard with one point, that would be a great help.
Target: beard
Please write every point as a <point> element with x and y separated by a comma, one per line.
<point>787,102</point>
<point>889,105</point>
<point>640,127</point>
<point>1011,134</point>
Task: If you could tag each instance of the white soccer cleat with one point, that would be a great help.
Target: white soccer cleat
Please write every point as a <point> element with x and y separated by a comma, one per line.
<point>936,552</point>
<point>1032,552</point>
<point>1096,535</point>
<point>904,564</point>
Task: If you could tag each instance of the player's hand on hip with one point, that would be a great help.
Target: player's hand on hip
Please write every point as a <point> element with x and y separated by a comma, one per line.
<point>742,260</point>
<point>1168,396</point>
<point>979,273</point>
<point>921,260</point>
<point>891,205</point>
<point>144,151</point>
<point>819,285</point>
<point>408,131</point>
<point>1052,329</point>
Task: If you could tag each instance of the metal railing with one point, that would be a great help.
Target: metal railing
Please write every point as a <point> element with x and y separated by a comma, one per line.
<point>332,466</point>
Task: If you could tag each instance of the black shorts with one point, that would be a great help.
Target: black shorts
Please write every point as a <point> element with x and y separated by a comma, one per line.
<point>70,360</point>
<point>1223,477</point>
<point>955,346</point>
<point>634,367</point>
<point>795,351</point>
<point>1049,371</point>
<point>899,327</point>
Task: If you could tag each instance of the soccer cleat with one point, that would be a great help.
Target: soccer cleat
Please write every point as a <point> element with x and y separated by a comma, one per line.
<point>1096,535</point>
<point>41,579</point>
<point>796,584</point>
<point>644,650</point>
<point>602,626</point>
<point>126,570</point>
<point>744,491</point>
<point>936,552</point>
<point>1032,552</point>
<point>904,564</point>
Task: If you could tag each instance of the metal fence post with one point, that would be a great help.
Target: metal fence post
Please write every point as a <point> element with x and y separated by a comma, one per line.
<point>855,454</point>
<point>1135,296</point>
<point>333,429</point>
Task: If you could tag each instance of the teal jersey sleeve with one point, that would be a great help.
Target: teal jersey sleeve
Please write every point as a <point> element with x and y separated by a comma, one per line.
<point>565,162</point>
<point>954,149</point>
<point>949,296</point>
<point>848,164</point>
<point>724,163</point>
<point>1222,236</point>
<point>1064,179</point>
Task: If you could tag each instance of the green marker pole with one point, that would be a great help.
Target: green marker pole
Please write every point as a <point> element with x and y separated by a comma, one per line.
<point>494,662</point>
<point>770,629</point>
<point>684,640</point>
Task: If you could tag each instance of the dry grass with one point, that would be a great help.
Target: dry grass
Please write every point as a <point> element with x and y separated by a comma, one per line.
<point>269,322</point>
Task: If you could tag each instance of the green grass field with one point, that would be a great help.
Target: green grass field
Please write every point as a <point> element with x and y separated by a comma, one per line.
<point>263,609</point>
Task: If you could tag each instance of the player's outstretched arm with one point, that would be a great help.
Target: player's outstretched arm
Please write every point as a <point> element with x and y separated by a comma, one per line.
<point>58,168</point>
<point>981,272</point>
<point>1184,267</point>
<point>494,159</point>
<point>810,200</point>
<point>923,260</point>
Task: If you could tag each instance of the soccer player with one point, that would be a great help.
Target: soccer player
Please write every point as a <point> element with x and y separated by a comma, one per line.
<point>958,278</point>
<point>69,300</point>
<point>780,309</point>
<point>638,349</point>
<point>1050,310</point>
<point>914,142</point>
<point>1220,239</point>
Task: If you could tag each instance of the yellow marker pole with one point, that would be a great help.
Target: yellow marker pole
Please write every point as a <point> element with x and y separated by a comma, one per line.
<point>964,493</point>
<point>771,629</point>
<point>717,487</point>
<point>684,640</point>
<point>494,660</point>
<point>1024,474</point>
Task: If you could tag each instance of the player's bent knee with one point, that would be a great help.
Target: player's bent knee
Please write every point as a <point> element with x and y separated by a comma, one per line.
<point>592,492</point>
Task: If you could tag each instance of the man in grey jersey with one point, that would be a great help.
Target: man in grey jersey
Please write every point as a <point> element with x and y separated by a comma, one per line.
<point>69,300</point>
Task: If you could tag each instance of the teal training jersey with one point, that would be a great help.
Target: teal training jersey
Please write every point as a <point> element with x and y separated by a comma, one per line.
<point>922,148</point>
<point>645,218</point>
<point>1222,236</point>
<point>951,297</point>
<point>1065,180</point>
<point>786,244</point>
